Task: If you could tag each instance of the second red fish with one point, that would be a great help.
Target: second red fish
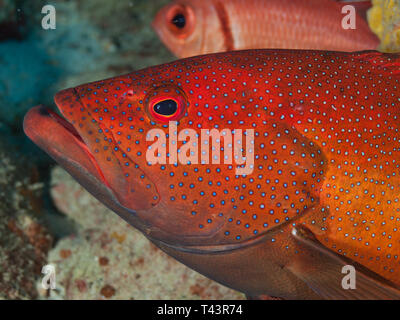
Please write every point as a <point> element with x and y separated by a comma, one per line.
<point>190,28</point>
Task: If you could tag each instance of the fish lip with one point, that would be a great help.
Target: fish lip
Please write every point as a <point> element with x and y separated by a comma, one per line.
<point>40,118</point>
<point>36,123</point>
<point>63,122</point>
<point>66,123</point>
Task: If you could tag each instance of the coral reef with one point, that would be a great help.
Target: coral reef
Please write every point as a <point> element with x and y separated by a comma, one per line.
<point>109,259</point>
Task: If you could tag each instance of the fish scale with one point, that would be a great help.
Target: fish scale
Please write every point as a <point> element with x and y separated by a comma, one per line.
<point>326,145</point>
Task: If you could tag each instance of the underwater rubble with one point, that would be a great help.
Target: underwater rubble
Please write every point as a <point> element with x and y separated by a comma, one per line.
<point>24,238</point>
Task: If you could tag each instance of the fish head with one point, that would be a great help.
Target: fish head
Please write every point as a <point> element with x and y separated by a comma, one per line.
<point>189,28</point>
<point>124,140</point>
<point>101,140</point>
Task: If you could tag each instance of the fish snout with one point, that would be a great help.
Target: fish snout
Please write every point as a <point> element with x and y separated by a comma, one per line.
<point>31,119</point>
<point>66,98</point>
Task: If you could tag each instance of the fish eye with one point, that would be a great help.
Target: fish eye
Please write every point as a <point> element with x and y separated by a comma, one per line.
<point>166,103</point>
<point>179,21</point>
<point>166,107</point>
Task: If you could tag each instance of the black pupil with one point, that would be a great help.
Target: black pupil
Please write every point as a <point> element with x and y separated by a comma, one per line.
<point>166,107</point>
<point>179,20</point>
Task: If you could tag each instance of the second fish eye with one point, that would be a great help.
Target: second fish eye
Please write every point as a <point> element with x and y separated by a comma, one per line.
<point>179,20</point>
<point>166,107</point>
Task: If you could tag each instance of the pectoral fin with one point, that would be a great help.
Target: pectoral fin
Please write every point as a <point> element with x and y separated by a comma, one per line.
<point>321,269</point>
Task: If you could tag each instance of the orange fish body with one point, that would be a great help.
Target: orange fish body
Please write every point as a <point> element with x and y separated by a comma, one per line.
<point>320,195</point>
<point>191,27</point>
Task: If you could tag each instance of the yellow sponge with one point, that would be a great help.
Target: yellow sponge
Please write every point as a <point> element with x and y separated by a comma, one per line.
<point>384,20</point>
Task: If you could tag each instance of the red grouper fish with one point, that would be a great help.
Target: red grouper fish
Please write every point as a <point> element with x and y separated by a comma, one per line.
<point>192,27</point>
<point>269,171</point>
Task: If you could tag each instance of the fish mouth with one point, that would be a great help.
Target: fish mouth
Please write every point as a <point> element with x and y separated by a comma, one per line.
<point>59,138</point>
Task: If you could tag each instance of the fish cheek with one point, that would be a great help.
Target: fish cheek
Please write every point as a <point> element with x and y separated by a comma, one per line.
<point>181,222</point>
<point>190,210</point>
<point>130,186</point>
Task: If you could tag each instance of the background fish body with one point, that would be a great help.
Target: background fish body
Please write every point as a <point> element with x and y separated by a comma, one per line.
<point>191,28</point>
<point>325,148</point>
